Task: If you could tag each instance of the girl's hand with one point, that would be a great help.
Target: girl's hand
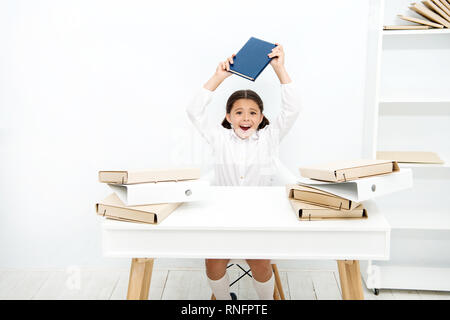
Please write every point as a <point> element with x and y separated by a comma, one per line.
<point>222,72</point>
<point>277,56</point>
<point>223,69</point>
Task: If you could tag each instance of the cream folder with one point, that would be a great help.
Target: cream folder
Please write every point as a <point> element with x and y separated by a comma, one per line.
<point>364,188</point>
<point>161,192</point>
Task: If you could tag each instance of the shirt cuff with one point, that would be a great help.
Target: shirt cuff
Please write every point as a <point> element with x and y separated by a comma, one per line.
<point>287,85</point>
<point>207,91</point>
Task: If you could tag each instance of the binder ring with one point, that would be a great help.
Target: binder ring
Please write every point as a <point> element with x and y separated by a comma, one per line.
<point>188,192</point>
<point>374,187</point>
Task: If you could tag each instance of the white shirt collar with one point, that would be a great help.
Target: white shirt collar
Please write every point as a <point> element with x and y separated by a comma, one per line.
<point>254,136</point>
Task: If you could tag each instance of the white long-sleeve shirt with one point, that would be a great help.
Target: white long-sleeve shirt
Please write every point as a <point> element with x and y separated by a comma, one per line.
<point>245,162</point>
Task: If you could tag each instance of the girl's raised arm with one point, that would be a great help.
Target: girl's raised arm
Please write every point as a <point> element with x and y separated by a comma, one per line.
<point>277,64</point>
<point>222,72</point>
<point>290,103</point>
<point>196,110</point>
<point>290,109</point>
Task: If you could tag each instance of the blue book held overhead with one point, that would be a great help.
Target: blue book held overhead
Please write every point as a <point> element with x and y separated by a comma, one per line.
<point>251,60</point>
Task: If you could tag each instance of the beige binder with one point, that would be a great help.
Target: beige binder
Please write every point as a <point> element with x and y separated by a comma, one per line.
<point>305,211</point>
<point>319,198</point>
<point>365,188</point>
<point>112,207</point>
<point>348,170</point>
<point>151,175</point>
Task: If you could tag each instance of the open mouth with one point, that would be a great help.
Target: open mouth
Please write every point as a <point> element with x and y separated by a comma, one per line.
<point>244,128</point>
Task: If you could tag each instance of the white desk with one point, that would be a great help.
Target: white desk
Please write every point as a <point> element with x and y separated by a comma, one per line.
<point>250,223</point>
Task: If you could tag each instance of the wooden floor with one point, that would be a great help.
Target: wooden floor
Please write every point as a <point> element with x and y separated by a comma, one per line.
<point>181,284</point>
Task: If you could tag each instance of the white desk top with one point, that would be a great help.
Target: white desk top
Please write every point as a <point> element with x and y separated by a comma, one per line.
<point>251,208</point>
<point>250,223</point>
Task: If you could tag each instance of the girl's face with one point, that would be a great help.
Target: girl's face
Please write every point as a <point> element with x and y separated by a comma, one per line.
<point>245,117</point>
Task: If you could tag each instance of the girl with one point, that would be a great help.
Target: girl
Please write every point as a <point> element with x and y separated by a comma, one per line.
<point>245,150</point>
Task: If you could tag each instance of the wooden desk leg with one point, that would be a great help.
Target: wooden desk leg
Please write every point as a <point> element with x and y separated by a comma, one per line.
<point>276,294</point>
<point>350,276</point>
<point>140,276</point>
<point>278,281</point>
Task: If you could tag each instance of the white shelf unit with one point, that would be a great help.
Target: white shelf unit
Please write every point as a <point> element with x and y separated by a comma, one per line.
<point>415,32</point>
<point>408,109</point>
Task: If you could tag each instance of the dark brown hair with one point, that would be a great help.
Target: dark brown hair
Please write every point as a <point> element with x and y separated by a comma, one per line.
<point>245,94</point>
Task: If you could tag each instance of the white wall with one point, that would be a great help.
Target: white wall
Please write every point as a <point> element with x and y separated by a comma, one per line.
<point>91,85</point>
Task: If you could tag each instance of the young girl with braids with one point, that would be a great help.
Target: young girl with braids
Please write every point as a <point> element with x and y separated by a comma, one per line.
<point>245,149</point>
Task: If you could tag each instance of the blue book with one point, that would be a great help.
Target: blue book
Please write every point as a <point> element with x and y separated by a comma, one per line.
<point>251,60</point>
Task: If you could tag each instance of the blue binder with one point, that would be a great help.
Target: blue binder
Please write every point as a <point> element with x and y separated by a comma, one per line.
<point>251,60</point>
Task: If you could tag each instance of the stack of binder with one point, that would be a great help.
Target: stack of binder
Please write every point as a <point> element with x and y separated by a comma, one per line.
<point>336,190</point>
<point>149,196</point>
<point>314,204</point>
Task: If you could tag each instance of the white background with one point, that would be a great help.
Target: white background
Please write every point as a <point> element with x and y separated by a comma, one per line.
<point>95,85</point>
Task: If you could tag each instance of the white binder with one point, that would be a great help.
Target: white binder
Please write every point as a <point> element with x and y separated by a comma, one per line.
<point>365,188</point>
<point>161,192</point>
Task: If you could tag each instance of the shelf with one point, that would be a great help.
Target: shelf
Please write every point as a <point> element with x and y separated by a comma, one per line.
<point>441,225</point>
<point>415,32</point>
<point>412,114</point>
<point>419,107</point>
<point>415,100</point>
<point>416,218</point>
<point>392,276</point>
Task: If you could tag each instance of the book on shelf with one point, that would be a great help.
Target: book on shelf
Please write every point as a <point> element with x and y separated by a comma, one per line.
<point>427,13</point>
<point>347,170</point>
<point>319,197</point>
<point>446,4</point>
<point>252,59</point>
<point>305,211</point>
<point>410,156</point>
<point>406,27</point>
<point>443,5</point>
<point>421,21</point>
<point>432,5</point>
<point>113,208</point>
<point>148,175</point>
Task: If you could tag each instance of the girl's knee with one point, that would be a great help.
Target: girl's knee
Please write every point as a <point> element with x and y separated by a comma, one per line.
<point>259,263</point>
<point>216,268</point>
<point>261,269</point>
<point>216,262</point>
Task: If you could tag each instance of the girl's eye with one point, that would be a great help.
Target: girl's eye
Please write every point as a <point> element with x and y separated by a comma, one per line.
<point>239,112</point>
<point>253,113</point>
